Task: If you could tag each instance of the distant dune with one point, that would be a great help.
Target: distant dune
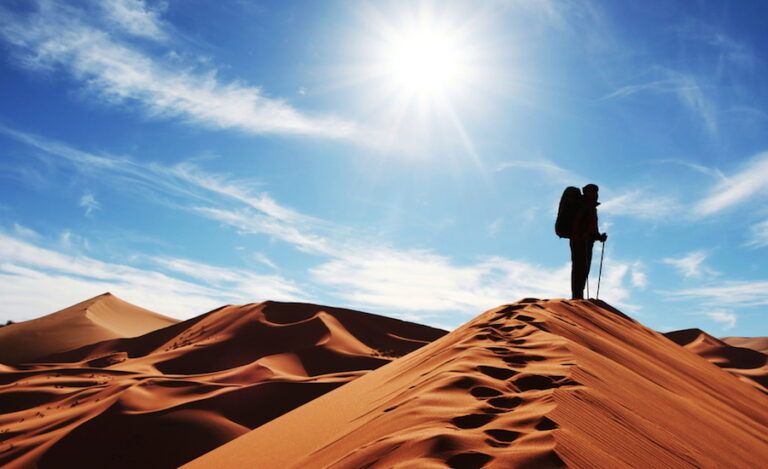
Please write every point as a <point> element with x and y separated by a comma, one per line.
<point>749,365</point>
<point>531,385</point>
<point>100,318</point>
<point>755,343</point>
<point>168,396</point>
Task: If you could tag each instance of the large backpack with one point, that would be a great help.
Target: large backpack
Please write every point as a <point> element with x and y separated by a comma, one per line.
<point>570,202</point>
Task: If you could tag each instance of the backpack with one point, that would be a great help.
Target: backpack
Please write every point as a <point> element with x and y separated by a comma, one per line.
<point>570,203</point>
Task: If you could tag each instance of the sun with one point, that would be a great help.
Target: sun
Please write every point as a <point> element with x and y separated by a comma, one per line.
<point>426,59</point>
<point>423,54</point>
<point>423,72</point>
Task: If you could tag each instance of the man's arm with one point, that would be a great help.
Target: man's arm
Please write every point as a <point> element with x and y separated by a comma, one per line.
<point>596,232</point>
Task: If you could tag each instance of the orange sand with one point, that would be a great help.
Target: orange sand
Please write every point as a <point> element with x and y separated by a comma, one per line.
<point>530,385</point>
<point>166,397</point>
<point>755,343</point>
<point>751,366</point>
<point>100,318</point>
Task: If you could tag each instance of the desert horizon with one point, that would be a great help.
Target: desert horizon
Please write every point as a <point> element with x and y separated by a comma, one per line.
<point>240,385</point>
<point>408,234</point>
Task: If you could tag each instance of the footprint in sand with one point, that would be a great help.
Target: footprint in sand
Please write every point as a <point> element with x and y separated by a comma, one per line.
<point>472,420</point>
<point>472,459</point>
<point>502,435</point>
<point>529,300</point>
<point>523,359</point>
<point>482,392</point>
<point>494,410</point>
<point>530,382</point>
<point>546,424</point>
<point>496,372</point>
<point>496,444</point>
<point>505,402</point>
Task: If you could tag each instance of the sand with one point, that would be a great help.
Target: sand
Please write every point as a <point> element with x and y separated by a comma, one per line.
<point>755,343</point>
<point>100,318</point>
<point>166,397</point>
<point>529,385</point>
<point>751,366</point>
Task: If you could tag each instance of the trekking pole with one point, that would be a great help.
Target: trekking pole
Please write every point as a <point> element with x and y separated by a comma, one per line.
<point>586,256</point>
<point>587,283</point>
<point>599,276</point>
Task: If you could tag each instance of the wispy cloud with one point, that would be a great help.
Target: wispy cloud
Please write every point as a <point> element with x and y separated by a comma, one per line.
<point>644,205</point>
<point>136,17</point>
<point>657,86</point>
<point>691,265</point>
<point>746,184</point>
<point>57,36</point>
<point>25,232</point>
<point>728,293</point>
<point>214,196</point>
<point>638,276</point>
<point>686,87</point>
<point>238,282</point>
<point>247,222</point>
<point>73,241</point>
<point>185,180</point>
<point>262,258</point>
<point>728,52</point>
<point>494,228</point>
<point>27,269</point>
<point>699,168</point>
<point>555,173</point>
<point>724,318</point>
<point>89,203</point>
<point>758,235</point>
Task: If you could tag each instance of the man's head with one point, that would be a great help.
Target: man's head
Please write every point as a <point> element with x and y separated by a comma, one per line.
<point>590,192</point>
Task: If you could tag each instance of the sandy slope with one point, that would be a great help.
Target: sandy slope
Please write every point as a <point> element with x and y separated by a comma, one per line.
<point>535,384</point>
<point>755,343</point>
<point>100,318</point>
<point>168,396</point>
<point>751,366</point>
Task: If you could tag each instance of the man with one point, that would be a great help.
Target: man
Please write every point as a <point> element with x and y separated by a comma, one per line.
<point>583,237</point>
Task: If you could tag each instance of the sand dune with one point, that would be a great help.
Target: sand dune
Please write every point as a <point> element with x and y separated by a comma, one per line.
<point>166,397</point>
<point>534,384</point>
<point>100,318</point>
<point>755,343</point>
<point>751,366</point>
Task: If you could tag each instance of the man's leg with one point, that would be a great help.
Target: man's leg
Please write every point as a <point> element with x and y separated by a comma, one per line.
<point>588,247</point>
<point>578,269</point>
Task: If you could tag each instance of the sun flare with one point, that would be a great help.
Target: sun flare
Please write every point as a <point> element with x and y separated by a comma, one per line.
<point>424,53</point>
<point>427,70</point>
<point>425,60</point>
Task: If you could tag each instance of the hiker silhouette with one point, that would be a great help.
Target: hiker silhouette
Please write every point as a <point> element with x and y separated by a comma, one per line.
<point>577,220</point>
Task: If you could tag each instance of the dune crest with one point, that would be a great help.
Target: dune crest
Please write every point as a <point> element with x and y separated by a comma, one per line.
<point>747,364</point>
<point>533,384</point>
<point>168,396</point>
<point>99,318</point>
<point>755,343</point>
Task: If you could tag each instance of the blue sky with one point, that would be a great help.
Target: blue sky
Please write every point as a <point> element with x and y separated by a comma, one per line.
<point>401,158</point>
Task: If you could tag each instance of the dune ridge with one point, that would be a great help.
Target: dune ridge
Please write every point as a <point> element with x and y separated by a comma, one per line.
<point>747,364</point>
<point>96,319</point>
<point>755,343</point>
<point>166,397</point>
<point>528,385</point>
